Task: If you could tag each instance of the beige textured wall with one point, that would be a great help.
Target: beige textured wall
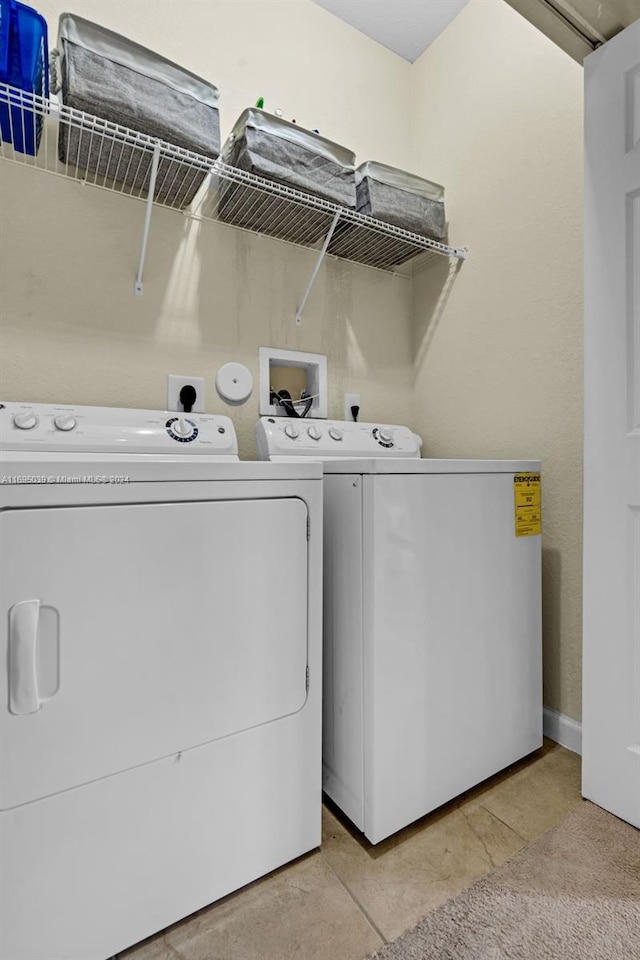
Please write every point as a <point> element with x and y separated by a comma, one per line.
<point>498,120</point>
<point>492,110</point>
<point>71,329</point>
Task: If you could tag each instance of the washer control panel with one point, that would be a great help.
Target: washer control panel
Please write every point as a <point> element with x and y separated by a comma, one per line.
<point>325,439</point>
<point>75,429</point>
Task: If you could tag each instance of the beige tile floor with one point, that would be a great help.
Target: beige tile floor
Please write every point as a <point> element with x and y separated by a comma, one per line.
<point>346,899</point>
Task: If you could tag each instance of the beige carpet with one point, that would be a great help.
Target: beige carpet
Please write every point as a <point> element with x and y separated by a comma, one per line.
<point>572,894</point>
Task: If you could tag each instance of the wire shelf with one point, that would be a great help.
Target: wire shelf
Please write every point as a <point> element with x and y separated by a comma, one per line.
<point>264,206</point>
<point>79,146</point>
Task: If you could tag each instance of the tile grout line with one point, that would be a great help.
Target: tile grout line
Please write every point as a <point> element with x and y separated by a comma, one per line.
<point>504,823</point>
<point>478,837</point>
<point>355,900</point>
<point>179,954</point>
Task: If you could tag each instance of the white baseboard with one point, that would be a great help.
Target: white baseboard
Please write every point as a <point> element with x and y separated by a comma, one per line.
<point>564,730</point>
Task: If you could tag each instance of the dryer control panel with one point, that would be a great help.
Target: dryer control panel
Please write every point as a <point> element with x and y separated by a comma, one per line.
<point>327,439</point>
<point>68,428</point>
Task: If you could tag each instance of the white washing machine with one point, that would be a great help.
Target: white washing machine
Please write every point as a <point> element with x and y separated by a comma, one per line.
<point>432,619</point>
<point>160,695</point>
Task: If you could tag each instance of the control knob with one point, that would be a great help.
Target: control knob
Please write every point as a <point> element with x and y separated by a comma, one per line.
<point>64,421</point>
<point>291,431</point>
<point>314,432</point>
<point>182,427</point>
<point>385,435</point>
<point>25,421</point>
<point>335,434</point>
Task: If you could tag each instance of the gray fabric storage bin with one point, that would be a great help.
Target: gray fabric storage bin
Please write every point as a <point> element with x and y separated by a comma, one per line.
<point>285,153</point>
<point>401,198</point>
<point>113,78</point>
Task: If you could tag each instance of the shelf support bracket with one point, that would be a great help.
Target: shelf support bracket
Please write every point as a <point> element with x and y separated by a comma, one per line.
<point>325,247</point>
<point>139,287</point>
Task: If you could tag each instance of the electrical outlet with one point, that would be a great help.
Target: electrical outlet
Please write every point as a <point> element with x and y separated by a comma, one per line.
<point>350,400</point>
<point>175,383</point>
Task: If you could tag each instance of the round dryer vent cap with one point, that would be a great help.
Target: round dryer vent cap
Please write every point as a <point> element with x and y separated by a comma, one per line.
<point>234,383</point>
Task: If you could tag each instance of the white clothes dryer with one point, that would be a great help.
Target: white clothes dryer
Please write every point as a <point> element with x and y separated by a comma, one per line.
<point>432,619</point>
<point>160,696</point>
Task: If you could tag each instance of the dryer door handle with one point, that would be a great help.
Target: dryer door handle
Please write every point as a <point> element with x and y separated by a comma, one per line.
<point>23,653</point>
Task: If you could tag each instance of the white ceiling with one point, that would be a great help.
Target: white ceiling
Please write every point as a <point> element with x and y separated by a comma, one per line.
<point>405,26</point>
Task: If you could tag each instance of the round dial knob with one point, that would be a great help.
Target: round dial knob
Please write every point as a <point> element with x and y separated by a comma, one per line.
<point>335,434</point>
<point>64,422</point>
<point>386,436</point>
<point>314,432</point>
<point>291,431</point>
<point>182,427</point>
<point>25,421</point>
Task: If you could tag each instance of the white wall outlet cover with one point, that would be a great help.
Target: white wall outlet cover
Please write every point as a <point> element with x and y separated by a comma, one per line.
<point>175,383</point>
<point>350,400</point>
<point>234,383</point>
<point>315,365</point>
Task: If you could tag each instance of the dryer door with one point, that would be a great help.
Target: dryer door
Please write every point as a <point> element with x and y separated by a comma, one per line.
<point>132,632</point>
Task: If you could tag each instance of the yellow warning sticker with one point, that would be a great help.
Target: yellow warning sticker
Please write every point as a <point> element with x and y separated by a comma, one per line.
<point>526,488</point>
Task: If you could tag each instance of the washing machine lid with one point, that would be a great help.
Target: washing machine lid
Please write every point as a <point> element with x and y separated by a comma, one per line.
<point>427,466</point>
